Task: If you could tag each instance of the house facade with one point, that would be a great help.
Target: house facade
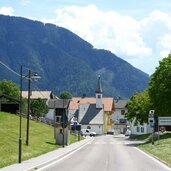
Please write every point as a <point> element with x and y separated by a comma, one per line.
<point>118,117</point>
<point>140,129</point>
<point>121,124</point>
<point>56,109</point>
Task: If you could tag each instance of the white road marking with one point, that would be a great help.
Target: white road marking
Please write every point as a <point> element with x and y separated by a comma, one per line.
<point>154,159</point>
<point>53,163</point>
<point>106,143</point>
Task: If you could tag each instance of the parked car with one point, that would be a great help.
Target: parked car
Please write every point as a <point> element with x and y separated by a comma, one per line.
<point>88,132</point>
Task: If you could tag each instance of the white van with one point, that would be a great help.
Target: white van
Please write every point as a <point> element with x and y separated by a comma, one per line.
<point>88,132</point>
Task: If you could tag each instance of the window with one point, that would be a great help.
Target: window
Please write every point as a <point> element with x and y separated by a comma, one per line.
<point>88,127</point>
<point>138,129</point>
<point>122,112</point>
<point>60,131</point>
<point>98,96</point>
<point>123,121</point>
<point>58,119</point>
<point>142,129</point>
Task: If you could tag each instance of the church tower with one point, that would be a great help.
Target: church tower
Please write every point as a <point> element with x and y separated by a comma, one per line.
<point>99,94</point>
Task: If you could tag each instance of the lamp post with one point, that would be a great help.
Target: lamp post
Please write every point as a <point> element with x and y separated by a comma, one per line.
<point>20,106</point>
<point>30,78</point>
<point>20,137</point>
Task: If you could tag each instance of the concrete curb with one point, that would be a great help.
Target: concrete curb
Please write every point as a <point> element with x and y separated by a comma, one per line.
<point>58,157</point>
<point>42,160</point>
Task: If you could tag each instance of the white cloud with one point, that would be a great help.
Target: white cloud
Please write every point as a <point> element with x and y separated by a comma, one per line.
<point>165,41</point>
<point>157,17</point>
<point>25,2</point>
<point>107,30</point>
<point>140,42</point>
<point>6,11</point>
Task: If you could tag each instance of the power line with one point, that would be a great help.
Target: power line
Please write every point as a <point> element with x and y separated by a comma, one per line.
<point>10,69</point>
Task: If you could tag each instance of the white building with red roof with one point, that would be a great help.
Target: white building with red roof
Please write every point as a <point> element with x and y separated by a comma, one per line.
<point>93,112</point>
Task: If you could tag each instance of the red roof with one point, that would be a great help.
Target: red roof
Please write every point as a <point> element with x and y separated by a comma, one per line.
<point>107,101</point>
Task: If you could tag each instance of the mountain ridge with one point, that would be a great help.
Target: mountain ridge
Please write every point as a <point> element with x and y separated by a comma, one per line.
<point>64,60</point>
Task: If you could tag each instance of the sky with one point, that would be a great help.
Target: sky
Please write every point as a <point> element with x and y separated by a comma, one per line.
<point>137,31</point>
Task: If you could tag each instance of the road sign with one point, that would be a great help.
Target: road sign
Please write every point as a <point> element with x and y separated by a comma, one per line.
<point>151,122</point>
<point>75,123</point>
<point>165,121</point>
<point>151,125</point>
<point>151,113</point>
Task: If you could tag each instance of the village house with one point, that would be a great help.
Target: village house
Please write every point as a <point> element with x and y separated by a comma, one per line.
<point>118,117</point>
<point>140,128</point>
<point>93,112</point>
<point>46,96</point>
<point>56,109</point>
<point>121,124</point>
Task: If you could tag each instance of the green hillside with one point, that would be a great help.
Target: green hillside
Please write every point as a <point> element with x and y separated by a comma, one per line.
<point>64,60</point>
<point>41,139</point>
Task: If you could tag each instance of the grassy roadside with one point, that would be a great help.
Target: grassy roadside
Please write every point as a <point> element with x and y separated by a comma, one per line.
<point>41,139</point>
<point>161,149</point>
<point>144,137</point>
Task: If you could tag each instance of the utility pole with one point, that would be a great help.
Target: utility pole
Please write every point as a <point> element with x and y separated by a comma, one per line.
<point>28,109</point>
<point>20,127</point>
<point>63,125</point>
<point>151,122</point>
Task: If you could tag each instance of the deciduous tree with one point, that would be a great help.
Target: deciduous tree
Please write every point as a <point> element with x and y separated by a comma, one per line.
<point>38,108</point>
<point>138,107</point>
<point>65,95</point>
<point>160,88</point>
<point>9,88</point>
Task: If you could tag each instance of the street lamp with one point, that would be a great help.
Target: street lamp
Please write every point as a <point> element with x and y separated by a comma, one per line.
<point>35,77</point>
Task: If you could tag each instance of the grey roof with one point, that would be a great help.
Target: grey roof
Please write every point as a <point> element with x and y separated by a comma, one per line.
<point>58,103</point>
<point>92,116</point>
<point>120,104</point>
<point>99,87</point>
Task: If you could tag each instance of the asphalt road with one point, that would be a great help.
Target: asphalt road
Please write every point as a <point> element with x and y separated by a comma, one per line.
<point>107,153</point>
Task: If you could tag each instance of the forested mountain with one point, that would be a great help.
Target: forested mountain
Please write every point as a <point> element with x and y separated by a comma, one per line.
<point>64,60</point>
